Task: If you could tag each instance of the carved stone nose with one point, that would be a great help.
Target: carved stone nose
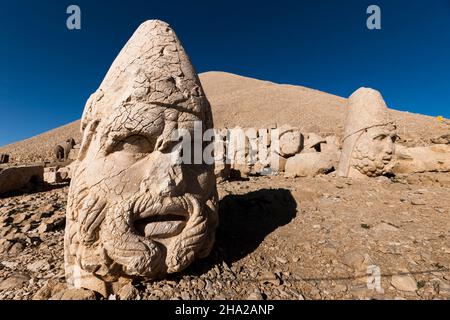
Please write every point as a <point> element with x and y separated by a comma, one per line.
<point>390,147</point>
<point>173,184</point>
<point>163,176</point>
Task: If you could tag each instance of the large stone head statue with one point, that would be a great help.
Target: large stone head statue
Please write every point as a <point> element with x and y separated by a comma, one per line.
<point>132,210</point>
<point>368,145</point>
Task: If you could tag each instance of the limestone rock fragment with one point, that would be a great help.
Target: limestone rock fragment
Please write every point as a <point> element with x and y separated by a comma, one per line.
<point>434,158</point>
<point>311,164</point>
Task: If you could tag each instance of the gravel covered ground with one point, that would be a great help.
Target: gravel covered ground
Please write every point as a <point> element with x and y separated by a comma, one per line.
<point>305,238</point>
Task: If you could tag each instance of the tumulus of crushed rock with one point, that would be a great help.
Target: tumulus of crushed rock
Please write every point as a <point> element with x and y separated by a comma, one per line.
<point>247,102</point>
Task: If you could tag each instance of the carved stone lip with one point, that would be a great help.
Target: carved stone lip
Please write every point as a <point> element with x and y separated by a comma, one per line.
<point>165,206</point>
<point>164,229</point>
<point>164,219</point>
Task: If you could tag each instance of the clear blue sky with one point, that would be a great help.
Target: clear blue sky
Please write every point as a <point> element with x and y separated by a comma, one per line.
<point>48,72</point>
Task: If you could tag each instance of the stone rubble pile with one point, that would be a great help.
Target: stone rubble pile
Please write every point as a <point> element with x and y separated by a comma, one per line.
<point>21,177</point>
<point>244,152</point>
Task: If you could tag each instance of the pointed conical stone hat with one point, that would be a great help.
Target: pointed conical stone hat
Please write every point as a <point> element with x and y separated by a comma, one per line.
<point>154,54</point>
<point>152,68</point>
<point>366,109</point>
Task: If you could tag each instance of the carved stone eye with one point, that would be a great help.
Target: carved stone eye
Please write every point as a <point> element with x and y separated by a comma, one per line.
<point>137,145</point>
<point>380,137</point>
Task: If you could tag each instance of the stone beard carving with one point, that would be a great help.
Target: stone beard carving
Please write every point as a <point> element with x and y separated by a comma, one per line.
<point>131,211</point>
<point>369,142</point>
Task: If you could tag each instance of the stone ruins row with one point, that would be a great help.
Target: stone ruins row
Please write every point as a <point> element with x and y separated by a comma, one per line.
<point>314,155</point>
<point>244,152</point>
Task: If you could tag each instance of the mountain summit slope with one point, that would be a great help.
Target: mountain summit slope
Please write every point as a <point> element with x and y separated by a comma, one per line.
<point>247,102</point>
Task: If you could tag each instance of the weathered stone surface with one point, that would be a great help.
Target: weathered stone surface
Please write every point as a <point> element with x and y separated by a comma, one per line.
<point>133,208</point>
<point>20,217</point>
<point>74,294</point>
<point>16,178</point>
<point>311,164</point>
<point>62,150</point>
<point>13,282</point>
<point>56,175</point>
<point>256,295</point>
<point>4,158</point>
<point>353,259</point>
<point>277,162</point>
<point>332,144</point>
<point>264,141</point>
<point>38,266</point>
<point>16,248</point>
<point>73,154</point>
<point>222,167</point>
<point>368,144</point>
<point>313,143</point>
<point>291,143</point>
<point>435,158</point>
<point>260,169</point>
<point>5,245</point>
<point>51,288</point>
<point>238,149</point>
<point>404,283</point>
<point>70,169</point>
<point>128,292</point>
<point>444,139</point>
<point>63,174</point>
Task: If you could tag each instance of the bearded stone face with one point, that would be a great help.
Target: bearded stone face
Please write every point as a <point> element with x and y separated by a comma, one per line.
<point>373,152</point>
<point>134,209</point>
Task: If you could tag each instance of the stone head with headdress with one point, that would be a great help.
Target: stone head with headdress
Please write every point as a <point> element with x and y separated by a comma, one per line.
<point>133,209</point>
<point>369,136</point>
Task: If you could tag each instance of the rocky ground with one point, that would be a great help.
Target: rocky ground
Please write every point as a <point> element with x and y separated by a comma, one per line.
<point>305,238</point>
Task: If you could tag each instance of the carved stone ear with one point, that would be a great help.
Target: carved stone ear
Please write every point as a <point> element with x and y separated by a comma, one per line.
<point>89,121</point>
<point>90,110</point>
<point>88,134</point>
<point>165,140</point>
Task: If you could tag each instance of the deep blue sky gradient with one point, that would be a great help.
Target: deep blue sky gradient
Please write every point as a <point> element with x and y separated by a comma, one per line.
<point>48,72</point>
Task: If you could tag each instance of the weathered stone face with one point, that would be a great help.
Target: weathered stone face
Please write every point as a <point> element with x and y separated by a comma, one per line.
<point>374,151</point>
<point>369,142</point>
<point>133,210</point>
